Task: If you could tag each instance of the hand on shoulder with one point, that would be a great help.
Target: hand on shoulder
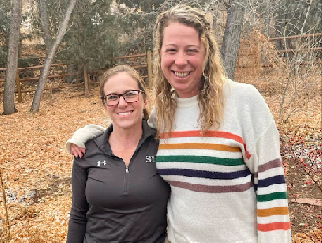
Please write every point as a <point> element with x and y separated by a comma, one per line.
<point>76,151</point>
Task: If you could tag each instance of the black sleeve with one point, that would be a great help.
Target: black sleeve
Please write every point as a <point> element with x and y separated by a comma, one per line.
<point>77,221</point>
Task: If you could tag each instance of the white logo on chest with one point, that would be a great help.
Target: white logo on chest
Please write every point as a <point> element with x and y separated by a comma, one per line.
<point>99,163</point>
<point>149,159</point>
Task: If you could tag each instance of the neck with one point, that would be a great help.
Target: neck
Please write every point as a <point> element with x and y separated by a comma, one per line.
<point>126,137</point>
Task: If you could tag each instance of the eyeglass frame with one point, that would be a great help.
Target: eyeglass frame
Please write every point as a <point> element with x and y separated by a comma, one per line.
<point>119,95</point>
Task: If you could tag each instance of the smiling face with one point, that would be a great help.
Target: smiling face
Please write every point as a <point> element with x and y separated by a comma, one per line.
<point>182,57</point>
<point>124,115</point>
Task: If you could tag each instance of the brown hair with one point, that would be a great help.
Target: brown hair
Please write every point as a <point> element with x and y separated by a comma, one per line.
<point>210,96</point>
<point>128,70</point>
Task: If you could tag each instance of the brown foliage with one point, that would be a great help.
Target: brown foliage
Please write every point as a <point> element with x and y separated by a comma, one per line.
<point>37,168</point>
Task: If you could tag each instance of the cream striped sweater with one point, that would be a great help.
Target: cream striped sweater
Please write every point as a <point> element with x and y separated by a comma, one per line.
<point>227,185</point>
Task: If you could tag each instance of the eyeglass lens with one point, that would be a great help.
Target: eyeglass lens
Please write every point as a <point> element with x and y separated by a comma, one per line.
<point>129,96</point>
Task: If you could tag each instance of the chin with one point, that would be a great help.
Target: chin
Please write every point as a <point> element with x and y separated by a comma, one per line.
<point>126,124</point>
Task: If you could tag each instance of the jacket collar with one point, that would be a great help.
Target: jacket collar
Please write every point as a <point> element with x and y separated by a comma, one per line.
<point>103,144</point>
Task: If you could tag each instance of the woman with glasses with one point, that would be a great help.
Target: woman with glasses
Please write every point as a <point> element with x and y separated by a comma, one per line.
<point>116,194</point>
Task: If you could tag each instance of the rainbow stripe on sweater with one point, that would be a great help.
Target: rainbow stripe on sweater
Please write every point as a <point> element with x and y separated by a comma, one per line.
<point>219,167</point>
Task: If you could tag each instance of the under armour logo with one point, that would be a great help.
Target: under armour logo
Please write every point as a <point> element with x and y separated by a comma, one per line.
<point>149,159</point>
<point>99,163</point>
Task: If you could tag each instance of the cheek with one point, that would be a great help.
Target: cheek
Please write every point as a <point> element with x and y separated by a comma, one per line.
<point>197,62</point>
<point>166,61</point>
<point>163,67</point>
<point>142,105</point>
<point>109,110</point>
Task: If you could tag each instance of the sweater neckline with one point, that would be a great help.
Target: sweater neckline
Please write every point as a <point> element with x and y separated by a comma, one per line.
<point>187,102</point>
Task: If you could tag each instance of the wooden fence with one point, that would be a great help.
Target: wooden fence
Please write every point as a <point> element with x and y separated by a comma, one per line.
<point>297,37</point>
<point>86,74</point>
<point>249,55</point>
<point>250,51</point>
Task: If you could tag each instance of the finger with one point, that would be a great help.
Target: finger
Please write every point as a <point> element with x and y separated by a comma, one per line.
<point>79,153</point>
<point>74,151</point>
<point>76,154</point>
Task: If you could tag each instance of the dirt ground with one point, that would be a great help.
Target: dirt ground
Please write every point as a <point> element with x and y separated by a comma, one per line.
<point>37,169</point>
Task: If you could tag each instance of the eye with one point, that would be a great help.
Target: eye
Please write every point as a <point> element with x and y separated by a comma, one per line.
<point>131,93</point>
<point>192,51</point>
<point>112,97</point>
<point>171,50</point>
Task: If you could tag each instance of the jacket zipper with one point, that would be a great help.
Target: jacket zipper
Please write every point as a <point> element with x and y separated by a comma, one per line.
<point>126,179</point>
<point>127,172</point>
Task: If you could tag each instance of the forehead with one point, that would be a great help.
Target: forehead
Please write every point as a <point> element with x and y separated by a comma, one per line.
<point>178,33</point>
<point>119,83</point>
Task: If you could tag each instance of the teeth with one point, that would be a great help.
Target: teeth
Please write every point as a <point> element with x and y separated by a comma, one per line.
<point>124,113</point>
<point>181,75</point>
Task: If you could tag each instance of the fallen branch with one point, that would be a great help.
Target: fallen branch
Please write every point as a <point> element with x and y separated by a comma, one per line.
<point>316,202</point>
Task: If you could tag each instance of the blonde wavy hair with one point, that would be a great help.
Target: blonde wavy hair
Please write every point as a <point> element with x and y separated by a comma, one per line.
<point>210,96</point>
<point>132,73</point>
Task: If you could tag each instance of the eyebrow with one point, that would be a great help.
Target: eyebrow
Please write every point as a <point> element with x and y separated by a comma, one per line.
<point>188,46</point>
<point>122,92</point>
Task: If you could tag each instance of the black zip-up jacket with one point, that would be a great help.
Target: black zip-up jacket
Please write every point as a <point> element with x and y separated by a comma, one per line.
<point>115,203</point>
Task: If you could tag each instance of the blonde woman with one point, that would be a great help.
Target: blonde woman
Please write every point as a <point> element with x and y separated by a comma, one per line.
<point>219,146</point>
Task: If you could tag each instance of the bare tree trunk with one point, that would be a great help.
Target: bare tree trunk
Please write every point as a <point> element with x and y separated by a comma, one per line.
<point>50,57</point>
<point>12,59</point>
<point>267,18</point>
<point>230,45</point>
<point>86,81</point>
<point>45,24</point>
<point>278,28</point>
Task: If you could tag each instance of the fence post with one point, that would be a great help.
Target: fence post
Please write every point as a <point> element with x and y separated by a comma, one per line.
<point>17,80</point>
<point>86,81</point>
<point>149,64</point>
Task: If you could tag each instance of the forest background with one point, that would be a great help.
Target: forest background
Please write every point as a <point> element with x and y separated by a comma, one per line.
<point>34,166</point>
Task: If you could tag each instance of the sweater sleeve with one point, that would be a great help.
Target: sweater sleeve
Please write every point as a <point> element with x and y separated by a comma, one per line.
<point>152,118</point>
<point>264,161</point>
<point>273,223</point>
<point>82,135</point>
<point>77,221</point>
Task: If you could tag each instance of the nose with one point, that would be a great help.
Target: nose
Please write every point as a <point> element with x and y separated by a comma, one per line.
<point>181,59</point>
<point>122,102</point>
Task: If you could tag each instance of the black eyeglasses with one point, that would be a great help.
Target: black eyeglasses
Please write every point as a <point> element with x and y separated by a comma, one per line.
<point>130,96</point>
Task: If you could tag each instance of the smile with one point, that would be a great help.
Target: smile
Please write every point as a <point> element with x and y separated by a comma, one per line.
<point>124,113</point>
<point>181,74</point>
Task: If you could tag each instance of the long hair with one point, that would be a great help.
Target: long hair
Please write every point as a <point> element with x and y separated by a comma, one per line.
<point>130,71</point>
<point>210,96</point>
